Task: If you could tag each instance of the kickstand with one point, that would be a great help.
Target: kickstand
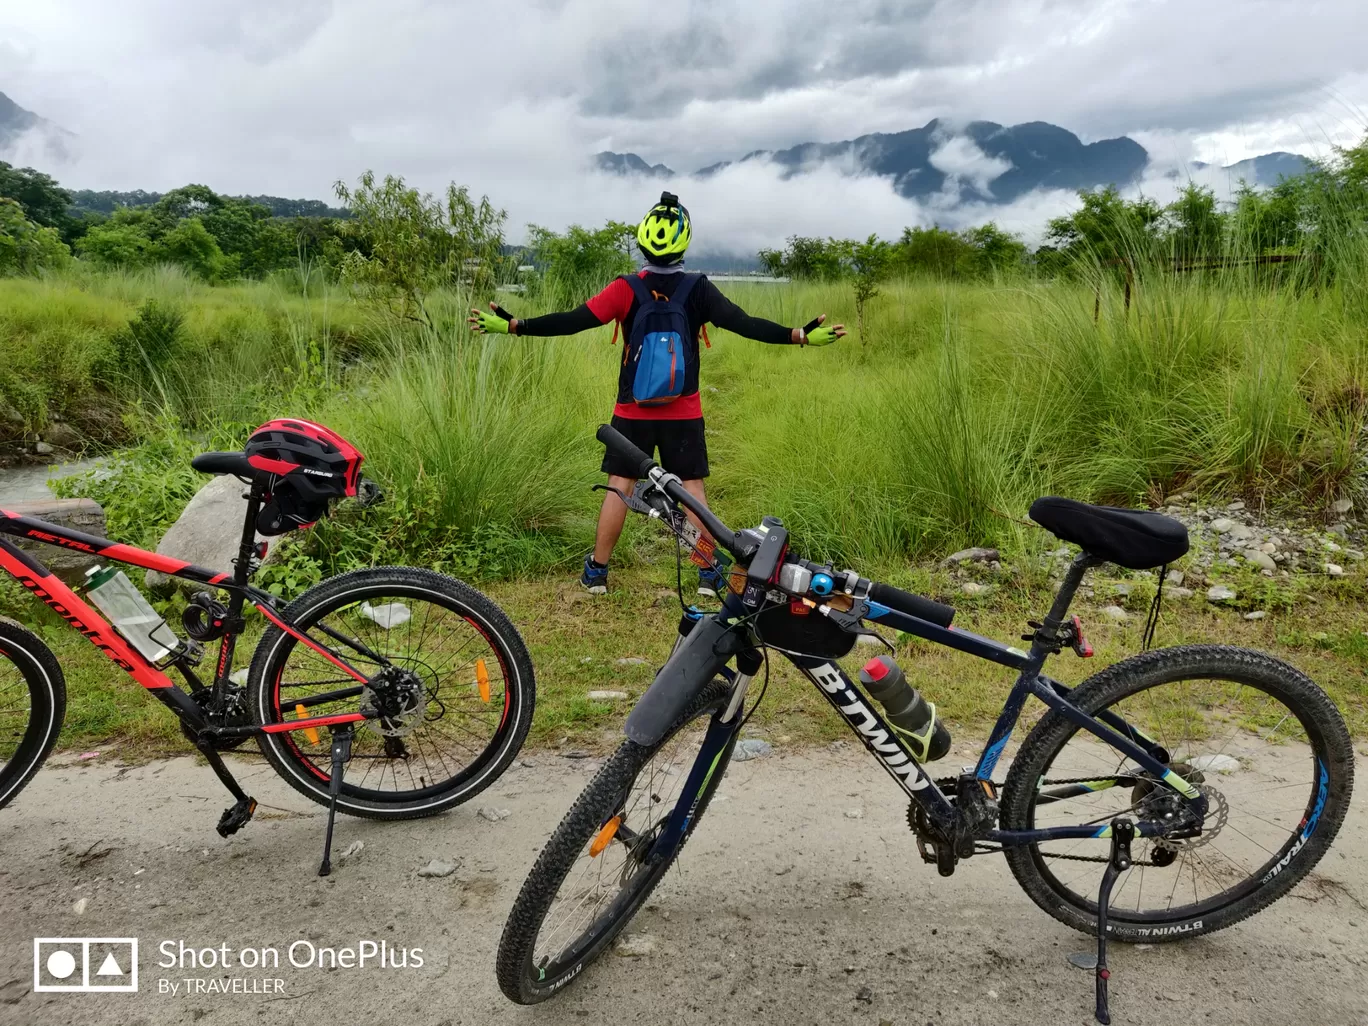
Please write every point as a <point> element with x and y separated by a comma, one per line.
<point>1122,833</point>
<point>237,816</point>
<point>341,754</point>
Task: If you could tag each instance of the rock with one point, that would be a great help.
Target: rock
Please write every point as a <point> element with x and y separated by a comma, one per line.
<point>635,945</point>
<point>1353,554</point>
<point>1084,960</point>
<point>632,660</point>
<point>208,531</point>
<point>606,696</point>
<point>1174,577</point>
<point>1240,533</point>
<point>1180,593</point>
<point>973,588</point>
<point>64,436</point>
<point>974,555</point>
<point>751,748</point>
<point>1334,569</point>
<point>1123,589</point>
<point>866,995</point>
<point>83,515</point>
<point>1257,614</point>
<point>854,813</point>
<point>1269,546</point>
<point>1222,524</point>
<point>1236,506</point>
<point>1261,559</point>
<point>43,448</point>
<point>438,868</point>
<point>1219,763</point>
<point>1332,547</point>
<point>80,906</point>
<point>1220,593</point>
<point>1342,505</point>
<point>1340,530</point>
<point>1115,614</point>
<point>494,815</point>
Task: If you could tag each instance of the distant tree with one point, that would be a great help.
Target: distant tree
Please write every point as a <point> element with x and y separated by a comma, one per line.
<point>869,262</point>
<point>25,245</point>
<point>574,265</point>
<point>932,251</point>
<point>1194,228</point>
<point>1107,228</point>
<point>124,241</point>
<point>190,245</point>
<point>43,201</point>
<point>993,251</point>
<point>772,260</point>
<point>406,243</point>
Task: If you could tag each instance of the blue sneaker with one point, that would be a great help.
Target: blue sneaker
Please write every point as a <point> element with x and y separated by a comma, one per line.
<point>711,582</point>
<point>595,577</point>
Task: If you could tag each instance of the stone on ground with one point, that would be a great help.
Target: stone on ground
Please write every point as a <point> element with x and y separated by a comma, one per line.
<point>208,532</point>
<point>84,515</point>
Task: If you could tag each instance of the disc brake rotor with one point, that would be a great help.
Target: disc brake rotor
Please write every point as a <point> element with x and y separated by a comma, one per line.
<point>1218,812</point>
<point>400,701</point>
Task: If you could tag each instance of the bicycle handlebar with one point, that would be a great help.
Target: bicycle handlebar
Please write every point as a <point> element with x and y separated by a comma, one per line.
<point>620,445</point>
<point>885,594</point>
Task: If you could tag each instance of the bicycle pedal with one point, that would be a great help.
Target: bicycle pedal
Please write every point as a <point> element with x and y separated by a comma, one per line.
<point>237,817</point>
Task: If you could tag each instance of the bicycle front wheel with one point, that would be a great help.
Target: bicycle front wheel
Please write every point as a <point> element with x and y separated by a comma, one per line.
<point>1264,744</point>
<point>594,873</point>
<point>448,672</point>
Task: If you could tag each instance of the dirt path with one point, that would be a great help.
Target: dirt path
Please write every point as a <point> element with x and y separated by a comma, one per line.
<point>786,911</point>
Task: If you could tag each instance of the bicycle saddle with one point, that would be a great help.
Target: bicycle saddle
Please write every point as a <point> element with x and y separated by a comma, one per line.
<point>223,463</point>
<point>1137,539</point>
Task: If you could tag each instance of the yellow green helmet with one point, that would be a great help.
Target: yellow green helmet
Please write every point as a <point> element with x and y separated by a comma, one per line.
<point>664,232</point>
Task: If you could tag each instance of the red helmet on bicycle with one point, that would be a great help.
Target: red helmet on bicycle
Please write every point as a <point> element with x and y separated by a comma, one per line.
<point>309,465</point>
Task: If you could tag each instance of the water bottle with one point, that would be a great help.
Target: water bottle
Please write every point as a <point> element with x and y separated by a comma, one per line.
<point>130,614</point>
<point>905,709</point>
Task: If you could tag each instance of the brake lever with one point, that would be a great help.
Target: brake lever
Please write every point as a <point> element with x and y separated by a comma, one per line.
<point>630,501</point>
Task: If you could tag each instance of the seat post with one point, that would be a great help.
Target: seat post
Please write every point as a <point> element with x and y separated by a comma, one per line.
<point>242,571</point>
<point>1054,619</point>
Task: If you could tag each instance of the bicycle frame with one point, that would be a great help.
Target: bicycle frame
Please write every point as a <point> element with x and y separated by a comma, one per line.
<point>61,599</point>
<point>884,743</point>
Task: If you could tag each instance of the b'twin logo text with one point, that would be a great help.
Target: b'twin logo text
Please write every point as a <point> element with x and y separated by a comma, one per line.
<point>1168,931</point>
<point>888,750</point>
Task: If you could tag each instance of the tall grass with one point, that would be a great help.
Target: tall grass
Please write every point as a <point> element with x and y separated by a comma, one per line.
<point>964,403</point>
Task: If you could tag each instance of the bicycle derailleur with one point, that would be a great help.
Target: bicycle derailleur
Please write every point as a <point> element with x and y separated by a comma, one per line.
<point>976,813</point>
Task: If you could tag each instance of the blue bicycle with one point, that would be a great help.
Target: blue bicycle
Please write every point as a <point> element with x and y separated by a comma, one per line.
<point>1212,777</point>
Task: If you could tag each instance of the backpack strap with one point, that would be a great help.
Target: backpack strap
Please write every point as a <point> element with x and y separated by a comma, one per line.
<point>706,341</point>
<point>642,293</point>
<point>682,290</point>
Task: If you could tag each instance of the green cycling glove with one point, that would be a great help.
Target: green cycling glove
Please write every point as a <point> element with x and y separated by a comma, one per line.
<point>823,335</point>
<point>488,323</point>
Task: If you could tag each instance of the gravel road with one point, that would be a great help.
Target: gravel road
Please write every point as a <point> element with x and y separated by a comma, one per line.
<point>791,908</point>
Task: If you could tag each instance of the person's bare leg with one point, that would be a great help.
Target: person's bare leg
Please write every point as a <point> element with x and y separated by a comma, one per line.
<point>612,515</point>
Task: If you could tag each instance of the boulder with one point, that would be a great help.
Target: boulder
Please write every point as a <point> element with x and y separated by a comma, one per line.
<point>974,555</point>
<point>208,532</point>
<point>84,515</point>
<point>1261,559</point>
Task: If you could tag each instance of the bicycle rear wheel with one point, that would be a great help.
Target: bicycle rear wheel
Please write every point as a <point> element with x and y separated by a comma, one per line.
<point>593,875</point>
<point>32,706</point>
<point>448,672</point>
<point>1264,744</point>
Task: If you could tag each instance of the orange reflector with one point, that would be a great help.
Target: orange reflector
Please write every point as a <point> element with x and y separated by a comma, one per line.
<point>605,836</point>
<point>482,679</point>
<point>309,732</point>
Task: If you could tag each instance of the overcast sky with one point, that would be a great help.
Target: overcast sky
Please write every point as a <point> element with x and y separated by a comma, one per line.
<point>286,96</point>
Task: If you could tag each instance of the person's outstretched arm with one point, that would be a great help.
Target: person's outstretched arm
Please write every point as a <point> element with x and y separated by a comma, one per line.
<point>721,311</point>
<point>611,304</point>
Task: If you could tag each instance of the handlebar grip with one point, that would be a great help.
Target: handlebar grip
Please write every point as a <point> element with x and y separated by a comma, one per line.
<point>619,444</point>
<point>912,605</point>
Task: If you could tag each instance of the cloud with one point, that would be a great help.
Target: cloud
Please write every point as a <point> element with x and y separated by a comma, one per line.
<point>255,96</point>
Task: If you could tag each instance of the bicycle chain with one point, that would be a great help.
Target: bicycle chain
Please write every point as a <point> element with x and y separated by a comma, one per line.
<point>1046,854</point>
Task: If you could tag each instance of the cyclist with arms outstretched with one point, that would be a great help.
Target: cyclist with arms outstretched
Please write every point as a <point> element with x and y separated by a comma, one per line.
<point>658,406</point>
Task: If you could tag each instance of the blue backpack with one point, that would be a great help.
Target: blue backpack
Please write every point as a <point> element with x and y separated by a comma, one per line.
<point>660,342</point>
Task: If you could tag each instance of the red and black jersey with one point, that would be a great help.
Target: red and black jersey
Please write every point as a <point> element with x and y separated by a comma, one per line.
<point>706,304</point>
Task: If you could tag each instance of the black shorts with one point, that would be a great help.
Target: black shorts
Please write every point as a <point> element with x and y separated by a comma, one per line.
<point>683,449</point>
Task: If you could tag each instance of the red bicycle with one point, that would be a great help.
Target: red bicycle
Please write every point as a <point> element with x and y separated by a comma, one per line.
<point>414,680</point>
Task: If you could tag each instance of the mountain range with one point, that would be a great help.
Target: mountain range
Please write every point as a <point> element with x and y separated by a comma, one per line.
<point>16,123</point>
<point>983,160</point>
